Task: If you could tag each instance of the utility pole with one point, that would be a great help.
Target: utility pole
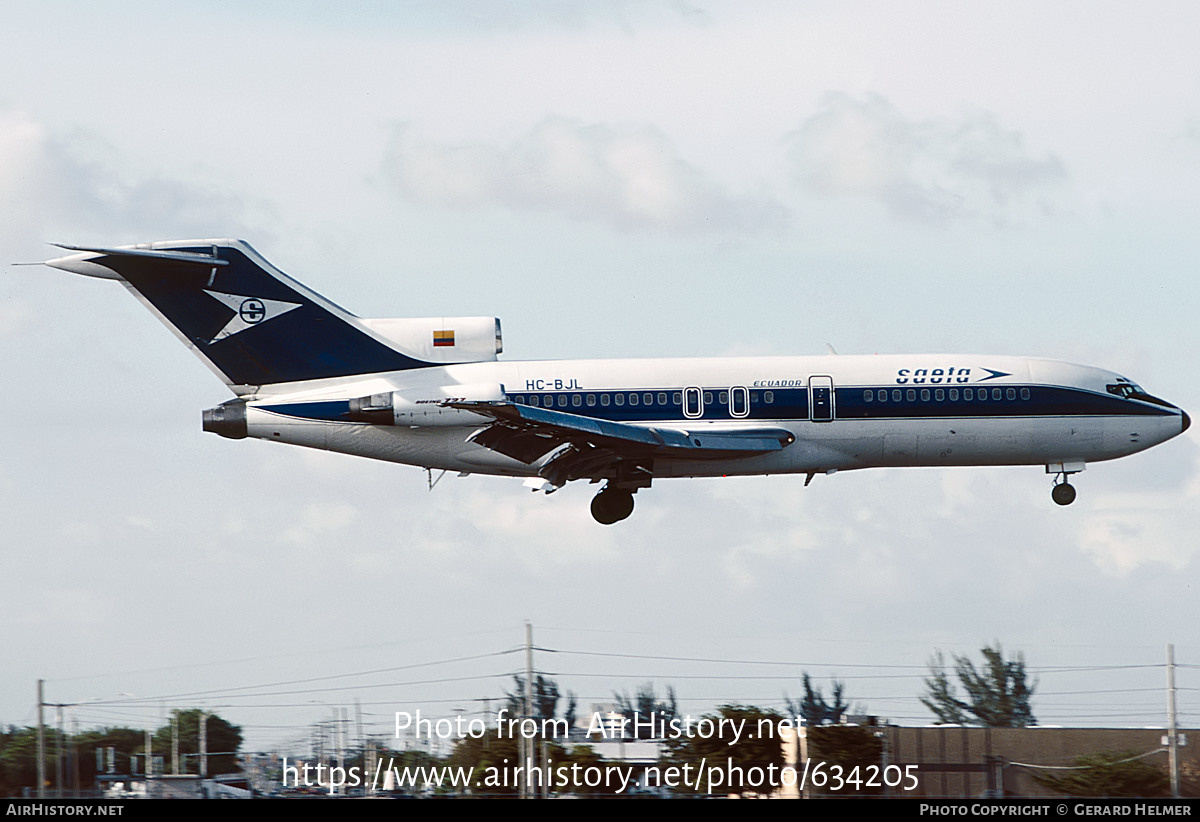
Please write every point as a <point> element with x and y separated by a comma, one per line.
<point>41,743</point>
<point>75,752</point>
<point>527,749</point>
<point>358,731</point>
<point>339,715</point>
<point>58,766</point>
<point>175,743</point>
<point>203,729</point>
<point>1172,729</point>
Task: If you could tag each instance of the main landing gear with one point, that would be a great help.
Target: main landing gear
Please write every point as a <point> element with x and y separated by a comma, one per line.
<point>1063,492</point>
<point>612,504</point>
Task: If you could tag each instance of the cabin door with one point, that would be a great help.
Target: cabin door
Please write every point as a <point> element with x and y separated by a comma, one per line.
<point>820,398</point>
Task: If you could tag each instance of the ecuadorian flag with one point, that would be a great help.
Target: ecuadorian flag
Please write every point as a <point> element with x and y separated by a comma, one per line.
<point>443,338</point>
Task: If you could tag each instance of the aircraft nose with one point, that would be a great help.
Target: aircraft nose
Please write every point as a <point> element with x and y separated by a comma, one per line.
<point>1187,421</point>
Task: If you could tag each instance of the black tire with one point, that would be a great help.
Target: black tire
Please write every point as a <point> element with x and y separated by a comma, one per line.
<point>1063,493</point>
<point>612,506</point>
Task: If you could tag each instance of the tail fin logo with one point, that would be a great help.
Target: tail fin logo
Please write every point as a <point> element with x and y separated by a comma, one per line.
<point>252,311</point>
<point>247,312</point>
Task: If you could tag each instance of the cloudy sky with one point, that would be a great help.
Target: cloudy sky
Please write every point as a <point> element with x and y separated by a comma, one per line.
<point>613,180</point>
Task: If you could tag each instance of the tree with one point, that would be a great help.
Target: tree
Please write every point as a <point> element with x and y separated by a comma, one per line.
<point>851,747</point>
<point>998,693</point>
<point>494,752</point>
<point>18,760</point>
<point>545,700</point>
<point>645,712</point>
<point>585,757</point>
<point>223,739</point>
<point>1110,773</point>
<point>814,709</point>
<point>753,764</point>
<point>125,742</point>
<point>495,755</point>
<point>494,760</point>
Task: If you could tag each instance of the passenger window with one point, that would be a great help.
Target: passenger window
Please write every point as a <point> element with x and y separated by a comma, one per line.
<point>995,393</point>
<point>562,400</point>
<point>633,399</point>
<point>662,398</point>
<point>618,399</point>
<point>896,395</point>
<point>591,400</point>
<point>868,395</point>
<point>576,400</point>
<point>647,399</point>
<point>604,400</point>
<point>769,397</point>
<point>739,401</point>
<point>1024,393</point>
<point>911,395</point>
<point>533,399</point>
<point>1010,393</point>
<point>924,395</point>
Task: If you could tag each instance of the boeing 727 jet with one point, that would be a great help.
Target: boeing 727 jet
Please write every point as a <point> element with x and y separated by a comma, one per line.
<point>433,393</point>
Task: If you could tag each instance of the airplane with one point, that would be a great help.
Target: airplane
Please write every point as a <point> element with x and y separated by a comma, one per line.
<point>433,392</point>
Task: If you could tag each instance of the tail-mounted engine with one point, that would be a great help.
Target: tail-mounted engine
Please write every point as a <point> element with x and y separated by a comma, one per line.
<point>443,340</point>
<point>424,407</point>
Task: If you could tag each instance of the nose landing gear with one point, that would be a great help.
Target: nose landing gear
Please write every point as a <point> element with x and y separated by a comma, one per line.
<point>1063,492</point>
<point>612,505</point>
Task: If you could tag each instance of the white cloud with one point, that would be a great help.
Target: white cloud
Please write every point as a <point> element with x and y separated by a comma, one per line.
<point>1139,528</point>
<point>929,171</point>
<point>15,316</point>
<point>629,177</point>
<point>57,184</point>
<point>320,521</point>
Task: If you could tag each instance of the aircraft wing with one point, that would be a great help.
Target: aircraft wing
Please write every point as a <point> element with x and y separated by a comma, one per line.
<point>572,446</point>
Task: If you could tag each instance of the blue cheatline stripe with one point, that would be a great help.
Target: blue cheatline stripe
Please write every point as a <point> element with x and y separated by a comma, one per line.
<point>787,403</point>
<point>792,405</point>
<point>1043,401</point>
<point>849,403</point>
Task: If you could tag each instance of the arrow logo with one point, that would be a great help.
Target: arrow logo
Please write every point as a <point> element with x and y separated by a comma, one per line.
<point>248,312</point>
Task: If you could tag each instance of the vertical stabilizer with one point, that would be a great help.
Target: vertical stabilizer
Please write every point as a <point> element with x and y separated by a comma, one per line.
<point>249,322</point>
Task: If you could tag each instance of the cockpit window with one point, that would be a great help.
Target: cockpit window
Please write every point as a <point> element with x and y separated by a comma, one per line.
<point>1124,388</point>
<point>1131,391</point>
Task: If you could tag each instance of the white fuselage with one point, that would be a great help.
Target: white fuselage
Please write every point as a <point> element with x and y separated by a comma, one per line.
<point>845,412</point>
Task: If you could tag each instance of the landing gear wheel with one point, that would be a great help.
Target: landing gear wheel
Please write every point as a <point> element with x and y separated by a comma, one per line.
<point>612,505</point>
<point>1063,493</point>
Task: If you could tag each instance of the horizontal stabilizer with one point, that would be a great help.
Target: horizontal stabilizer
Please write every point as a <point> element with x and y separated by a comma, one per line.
<point>173,256</point>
